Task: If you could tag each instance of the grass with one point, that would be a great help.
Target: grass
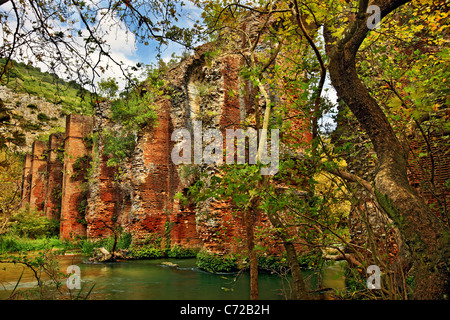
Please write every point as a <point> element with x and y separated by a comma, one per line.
<point>28,79</point>
<point>12,243</point>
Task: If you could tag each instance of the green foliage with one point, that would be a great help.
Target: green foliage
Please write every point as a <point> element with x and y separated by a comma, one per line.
<point>181,253</point>
<point>46,135</point>
<point>238,182</point>
<point>82,206</point>
<point>31,126</point>
<point>306,261</point>
<point>188,173</point>
<point>14,243</point>
<point>32,224</point>
<point>204,89</point>
<point>134,111</point>
<point>150,248</point>
<point>82,203</point>
<point>108,88</point>
<point>11,170</point>
<point>215,263</point>
<point>310,259</point>
<point>43,117</point>
<point>273,263</point>
<point>87,247</point>
<point>90,140</point>
<point>46,271</point>
<point>80,168</point>
<point>125,240</point>
<point>146,252</point>
<point>153,239</point>
<point>354,283</point>
<point>118,146</point>
<point>72,97</point>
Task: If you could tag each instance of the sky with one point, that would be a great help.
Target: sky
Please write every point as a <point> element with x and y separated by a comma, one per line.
<point>123,45</point>
<point>125,48</point>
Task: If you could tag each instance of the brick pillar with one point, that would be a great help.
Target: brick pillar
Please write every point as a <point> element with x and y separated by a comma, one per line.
<point>231,109</point>
<point>52,207</point>
<point>105,196</point>
<point>183,227</point>
<point>26,183</point>
<point>152,197</point>
<point>38,175</point>
<point>155,190</point>
<point>73,192</point>
<point>102,205</point>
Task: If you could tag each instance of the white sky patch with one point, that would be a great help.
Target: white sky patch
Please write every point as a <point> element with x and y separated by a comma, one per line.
<point>122,47</point>
<point>327,122</point>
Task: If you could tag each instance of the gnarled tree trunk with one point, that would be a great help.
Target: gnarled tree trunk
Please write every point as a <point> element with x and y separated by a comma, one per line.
<point>425,235</point>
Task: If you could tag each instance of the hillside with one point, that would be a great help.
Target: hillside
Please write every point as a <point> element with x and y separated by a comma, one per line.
<point>34,104</point>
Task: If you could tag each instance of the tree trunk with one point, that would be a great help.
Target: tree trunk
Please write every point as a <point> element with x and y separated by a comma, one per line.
<point>254,292</point>
<point>421,230</point>
<point>296,272</point>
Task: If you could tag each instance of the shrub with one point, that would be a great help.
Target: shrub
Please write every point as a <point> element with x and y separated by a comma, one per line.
<point>146,252</point>
<point>181,253</point>
<point>134,111</point>
<point>215,263</point>
<point>9,243</point>
<point>118,146</point>
<point>152,239</point>
<point>32,224</point>
<point>87,247</point>
<point>29,125</point>
<point>13,243</point>
<point>108,88</point>
<point>124,240</point>
<point>273,263</point>
<point>310,259</point>
<point>43,117</point>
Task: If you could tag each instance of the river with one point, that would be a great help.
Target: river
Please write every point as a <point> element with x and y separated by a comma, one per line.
<point>153,280</point>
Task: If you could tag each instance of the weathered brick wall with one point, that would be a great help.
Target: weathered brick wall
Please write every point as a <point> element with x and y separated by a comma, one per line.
<point>230,117</point>
<point>102,206</point>
<point>26,181</point>
<point>38,175</point>
<point>53,190</point>
<point>74,188</point>
<point>222,229</point>
<point>152,187</point>
<point>103,189</point>
<point>183,227</point>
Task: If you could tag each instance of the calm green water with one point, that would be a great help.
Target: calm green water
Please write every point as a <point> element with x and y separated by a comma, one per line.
<point>151,280</point>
